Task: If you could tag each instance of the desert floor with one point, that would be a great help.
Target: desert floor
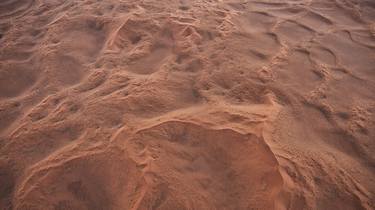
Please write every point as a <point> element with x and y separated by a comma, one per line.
<point>178,104</point>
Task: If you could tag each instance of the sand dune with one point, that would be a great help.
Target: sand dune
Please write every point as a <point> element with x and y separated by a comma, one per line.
<point>177,104</point>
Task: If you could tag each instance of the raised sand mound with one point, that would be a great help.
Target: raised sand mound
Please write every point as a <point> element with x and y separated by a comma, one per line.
<point>177,104</point>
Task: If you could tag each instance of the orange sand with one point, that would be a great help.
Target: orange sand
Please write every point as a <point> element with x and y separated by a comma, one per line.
<point>177,104</point>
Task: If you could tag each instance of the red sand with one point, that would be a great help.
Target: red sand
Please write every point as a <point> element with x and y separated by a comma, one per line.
<point>206,104</point>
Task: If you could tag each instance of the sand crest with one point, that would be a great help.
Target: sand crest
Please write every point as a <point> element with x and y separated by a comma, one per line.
<point>177,104</point>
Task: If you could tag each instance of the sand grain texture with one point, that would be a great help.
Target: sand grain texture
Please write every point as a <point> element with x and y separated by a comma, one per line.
<point>178,104</point>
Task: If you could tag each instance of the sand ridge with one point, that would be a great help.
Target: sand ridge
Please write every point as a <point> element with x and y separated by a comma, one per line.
<point>177,104</point>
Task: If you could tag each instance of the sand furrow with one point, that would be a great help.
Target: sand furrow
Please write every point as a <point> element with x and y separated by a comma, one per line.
<point>176,104</point>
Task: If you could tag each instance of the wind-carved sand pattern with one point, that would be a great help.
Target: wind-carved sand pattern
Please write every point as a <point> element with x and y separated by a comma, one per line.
<point>177,104</point>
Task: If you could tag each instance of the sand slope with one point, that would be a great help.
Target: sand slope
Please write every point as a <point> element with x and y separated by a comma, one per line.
<point>177,104</point>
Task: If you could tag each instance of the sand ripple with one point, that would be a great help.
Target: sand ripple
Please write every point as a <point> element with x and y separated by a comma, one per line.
<point>176,104</point>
